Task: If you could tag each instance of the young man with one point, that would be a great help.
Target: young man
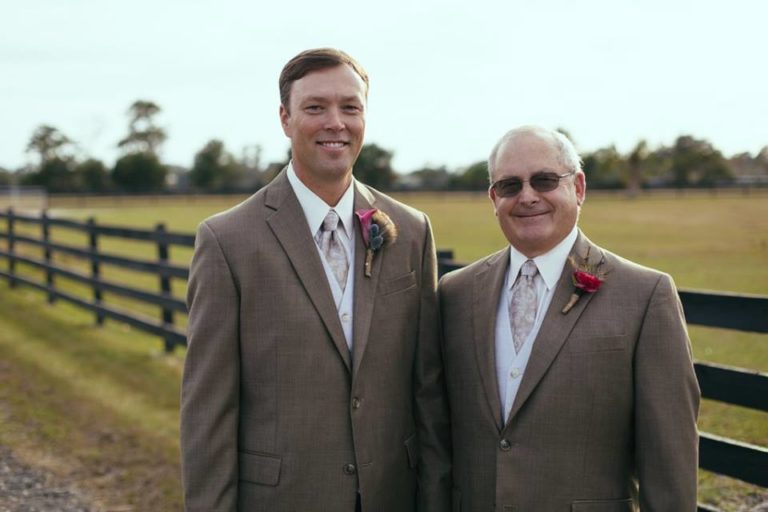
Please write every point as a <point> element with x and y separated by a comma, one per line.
<point>312,378</point>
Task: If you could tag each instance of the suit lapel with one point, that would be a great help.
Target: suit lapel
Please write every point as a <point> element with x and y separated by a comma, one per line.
<point>485,297</point>
<point>289,225</point>
<point>555,327</point>
<point>365,287</point>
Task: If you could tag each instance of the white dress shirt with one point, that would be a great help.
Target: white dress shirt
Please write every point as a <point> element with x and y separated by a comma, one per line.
<point>510,365</point>
<point>315,210</point>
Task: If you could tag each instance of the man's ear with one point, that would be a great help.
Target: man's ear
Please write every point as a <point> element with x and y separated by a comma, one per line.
<point>284,117</point>
<point>492,197</point>
<point>580,184</point>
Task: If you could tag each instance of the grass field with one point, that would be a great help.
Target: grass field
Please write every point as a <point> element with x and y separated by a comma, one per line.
<point>100,405</point>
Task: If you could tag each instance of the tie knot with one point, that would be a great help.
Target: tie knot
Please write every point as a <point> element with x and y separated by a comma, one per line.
<point>529,269</point>
<point>331,221</point>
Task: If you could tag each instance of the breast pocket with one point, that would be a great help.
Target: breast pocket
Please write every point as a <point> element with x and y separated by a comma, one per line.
<point>598,343</point>
<point>398,284</point>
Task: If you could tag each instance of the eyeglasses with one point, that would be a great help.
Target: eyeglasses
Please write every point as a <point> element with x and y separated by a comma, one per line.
<point>540,182</point>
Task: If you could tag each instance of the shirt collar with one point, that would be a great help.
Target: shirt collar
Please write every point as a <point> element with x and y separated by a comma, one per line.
<point>315,209</point>
<point>550,264</point>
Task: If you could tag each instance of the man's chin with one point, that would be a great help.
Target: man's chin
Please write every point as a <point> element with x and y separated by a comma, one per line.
<point>529,240</point>
<point>336,170</point>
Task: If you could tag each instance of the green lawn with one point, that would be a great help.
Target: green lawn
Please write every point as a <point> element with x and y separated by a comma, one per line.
<point>706,241</point>
<point>102,403</point>
<point>97,407</point>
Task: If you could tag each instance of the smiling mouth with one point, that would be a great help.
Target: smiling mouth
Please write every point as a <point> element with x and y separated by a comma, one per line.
<point>333,144</point>
<point>530,215</point>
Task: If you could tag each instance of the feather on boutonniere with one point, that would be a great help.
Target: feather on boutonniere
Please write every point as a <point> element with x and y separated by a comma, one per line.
<point>587,278</point>
<point>378,231</point>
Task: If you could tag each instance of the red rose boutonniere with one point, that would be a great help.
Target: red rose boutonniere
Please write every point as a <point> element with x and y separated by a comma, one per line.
<point>587,278</point>
<point>378,231</point>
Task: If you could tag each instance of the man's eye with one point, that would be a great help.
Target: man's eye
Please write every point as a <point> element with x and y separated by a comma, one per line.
<point>313,108</point>
<point>545,179</point>
<point>352,108</point>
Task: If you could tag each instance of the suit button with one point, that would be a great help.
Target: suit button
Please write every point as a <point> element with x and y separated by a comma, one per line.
<point>356,403</point>
<point>350,469</point>
<point>505,445</point>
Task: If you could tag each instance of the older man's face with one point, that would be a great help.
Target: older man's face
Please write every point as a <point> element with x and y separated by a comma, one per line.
<point>535,222</point>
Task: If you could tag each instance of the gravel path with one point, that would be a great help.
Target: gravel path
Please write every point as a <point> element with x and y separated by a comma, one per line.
<point>23,489</point>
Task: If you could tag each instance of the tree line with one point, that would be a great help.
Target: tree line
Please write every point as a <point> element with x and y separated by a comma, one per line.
<point>687,162</point>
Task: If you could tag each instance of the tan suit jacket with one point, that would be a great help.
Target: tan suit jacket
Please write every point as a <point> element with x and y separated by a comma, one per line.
<point>277,415</point>
<point>608,400</point>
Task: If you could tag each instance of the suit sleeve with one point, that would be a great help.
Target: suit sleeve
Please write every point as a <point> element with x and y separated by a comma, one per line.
<point>431,405</point>
<point>210,386</point>
<point>666,406</point>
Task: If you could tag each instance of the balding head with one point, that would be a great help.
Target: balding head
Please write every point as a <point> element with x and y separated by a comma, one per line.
<point>566,151</point>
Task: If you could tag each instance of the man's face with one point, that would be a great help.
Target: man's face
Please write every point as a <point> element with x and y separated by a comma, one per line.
<point>535,222</point>
<point>326,124</point>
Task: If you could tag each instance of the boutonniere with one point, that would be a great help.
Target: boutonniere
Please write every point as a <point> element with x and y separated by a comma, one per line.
<point>378,231</point>
<point>587,278</point>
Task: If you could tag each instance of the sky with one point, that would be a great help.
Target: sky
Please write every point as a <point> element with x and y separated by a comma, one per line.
<point>448,79</point>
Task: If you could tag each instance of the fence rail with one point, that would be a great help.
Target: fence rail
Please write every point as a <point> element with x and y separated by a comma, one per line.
<point>22,245</point>
<point>713,309</point>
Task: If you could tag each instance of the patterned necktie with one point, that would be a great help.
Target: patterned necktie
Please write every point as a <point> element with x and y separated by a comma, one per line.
<point>327,239</point>
<point>523,303</point>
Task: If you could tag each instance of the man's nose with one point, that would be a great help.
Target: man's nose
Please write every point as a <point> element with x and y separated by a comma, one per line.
<point>334,120</point>
<point>527,194</point>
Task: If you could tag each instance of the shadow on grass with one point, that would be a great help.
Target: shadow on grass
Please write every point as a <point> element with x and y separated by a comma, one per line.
<point>98,407</point>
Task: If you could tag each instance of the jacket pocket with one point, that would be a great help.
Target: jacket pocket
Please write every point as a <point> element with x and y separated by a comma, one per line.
<point>259,468</point>
<point>398,284</point>
<point>624,505</point>
<point>412,448</point>
<point>598,344</point>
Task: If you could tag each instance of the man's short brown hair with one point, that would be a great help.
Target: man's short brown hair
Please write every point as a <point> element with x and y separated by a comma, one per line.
<point>313,60</point>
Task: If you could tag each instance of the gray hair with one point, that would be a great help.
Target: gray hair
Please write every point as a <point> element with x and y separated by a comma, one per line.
<point>568,156</point>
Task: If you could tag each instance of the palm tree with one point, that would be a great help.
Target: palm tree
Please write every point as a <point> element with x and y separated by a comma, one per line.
<point>143,134</point>
<point>47,142</point>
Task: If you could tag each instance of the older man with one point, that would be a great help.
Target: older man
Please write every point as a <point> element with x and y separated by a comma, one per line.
<point>569,371</point>
<point>312,377</point>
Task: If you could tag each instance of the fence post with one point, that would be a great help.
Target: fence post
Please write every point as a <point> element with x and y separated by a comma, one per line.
<point>165,281</point>
<point>47,256</point>
<point>443,256</point>
<point>11,246</point>
<point>93,241</point>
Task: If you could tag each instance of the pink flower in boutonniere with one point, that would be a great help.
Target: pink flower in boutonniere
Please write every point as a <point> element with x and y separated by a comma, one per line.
<point>587,278</point>
<point>378,231</point>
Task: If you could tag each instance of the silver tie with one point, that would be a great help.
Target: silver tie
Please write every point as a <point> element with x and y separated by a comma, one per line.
<point>328,240</point>
<point>523,304</point>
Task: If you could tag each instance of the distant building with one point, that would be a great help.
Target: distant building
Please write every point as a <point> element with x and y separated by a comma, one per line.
<point>177,179</point>
<point>750,171</point>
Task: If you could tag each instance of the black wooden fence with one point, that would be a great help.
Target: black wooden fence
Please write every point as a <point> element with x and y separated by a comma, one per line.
<point>729,311</point>
<point>21,247</point>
